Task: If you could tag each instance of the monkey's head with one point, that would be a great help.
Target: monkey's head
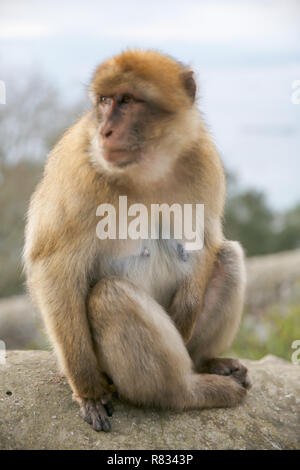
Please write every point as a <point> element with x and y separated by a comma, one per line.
<point>144,110</point>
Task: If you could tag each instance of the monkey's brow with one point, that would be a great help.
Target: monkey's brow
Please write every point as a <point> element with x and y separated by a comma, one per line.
<point>122,93</point>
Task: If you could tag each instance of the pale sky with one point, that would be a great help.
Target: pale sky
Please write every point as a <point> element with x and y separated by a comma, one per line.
<point>275,21</point>
<point>246,54</point>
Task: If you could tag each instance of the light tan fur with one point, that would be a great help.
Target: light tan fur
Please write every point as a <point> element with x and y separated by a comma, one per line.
<point>143,316</point>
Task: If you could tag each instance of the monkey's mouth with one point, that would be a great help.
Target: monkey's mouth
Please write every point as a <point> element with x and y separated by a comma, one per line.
<point>121,157</point>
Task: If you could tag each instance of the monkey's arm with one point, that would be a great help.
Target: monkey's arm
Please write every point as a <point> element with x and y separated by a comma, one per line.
<point>60,293</point>
<point>187,302</point>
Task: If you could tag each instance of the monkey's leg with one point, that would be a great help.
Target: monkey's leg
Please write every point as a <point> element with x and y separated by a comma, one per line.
<point>142,351</point>
<point>220,316</point>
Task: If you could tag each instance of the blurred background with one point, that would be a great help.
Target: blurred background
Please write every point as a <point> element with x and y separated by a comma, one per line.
<point>246,55</point>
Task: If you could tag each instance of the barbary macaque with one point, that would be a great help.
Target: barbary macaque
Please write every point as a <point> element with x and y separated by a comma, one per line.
<point>146,315</point>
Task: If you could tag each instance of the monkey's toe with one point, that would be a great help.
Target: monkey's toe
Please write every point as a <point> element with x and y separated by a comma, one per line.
<point>229,367</point>
<point>240,374</point>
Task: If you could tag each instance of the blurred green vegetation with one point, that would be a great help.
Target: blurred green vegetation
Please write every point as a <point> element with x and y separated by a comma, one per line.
<point>260,229</point>
<point>273,333</point>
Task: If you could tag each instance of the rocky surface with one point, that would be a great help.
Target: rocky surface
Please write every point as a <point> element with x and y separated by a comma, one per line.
<point>272,280</point>
<point>21,326</point>
<point>37,412</point>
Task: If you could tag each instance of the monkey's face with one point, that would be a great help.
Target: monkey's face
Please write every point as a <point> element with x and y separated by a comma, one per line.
<point>144,103</point>
<point>127,127</point>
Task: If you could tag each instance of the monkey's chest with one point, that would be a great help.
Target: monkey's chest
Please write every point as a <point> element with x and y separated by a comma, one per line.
<point>157,266</point>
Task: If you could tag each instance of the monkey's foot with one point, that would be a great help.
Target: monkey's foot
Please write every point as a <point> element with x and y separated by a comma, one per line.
<point>227,366</point>
<point>96,413</point>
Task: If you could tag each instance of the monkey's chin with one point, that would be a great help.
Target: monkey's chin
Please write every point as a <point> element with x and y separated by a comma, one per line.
<point>121,158</point>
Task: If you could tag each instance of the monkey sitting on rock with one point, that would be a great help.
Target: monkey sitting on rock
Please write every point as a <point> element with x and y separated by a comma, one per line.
<point>153,324</point>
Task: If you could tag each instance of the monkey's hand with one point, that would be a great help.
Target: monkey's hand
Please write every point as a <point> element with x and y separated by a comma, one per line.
<point>96,412</point>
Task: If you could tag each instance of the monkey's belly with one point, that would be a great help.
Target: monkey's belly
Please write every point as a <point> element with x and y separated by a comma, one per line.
<point>158,267</point>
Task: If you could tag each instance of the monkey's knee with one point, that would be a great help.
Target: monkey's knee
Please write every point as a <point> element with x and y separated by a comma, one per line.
<point>99,290</point>
<point>104,296</point>
<point>227,284</point>
<point>139,346</point>
<point>222,307</point>
<point>106,299</point>
<point>231,258</point>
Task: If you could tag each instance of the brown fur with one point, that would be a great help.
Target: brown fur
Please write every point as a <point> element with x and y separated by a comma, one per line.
<point>167,78</point>
<point>121,327</point>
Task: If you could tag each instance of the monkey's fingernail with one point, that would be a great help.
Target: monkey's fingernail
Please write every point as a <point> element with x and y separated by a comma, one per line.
<point>106,425</point>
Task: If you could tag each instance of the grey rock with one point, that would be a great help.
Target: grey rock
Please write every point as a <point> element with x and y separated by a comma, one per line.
<point>37,412</point>
<point>272,280</point>
<point>21,326</point>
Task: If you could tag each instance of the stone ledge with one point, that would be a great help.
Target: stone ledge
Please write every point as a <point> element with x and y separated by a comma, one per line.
<point>37,412</point>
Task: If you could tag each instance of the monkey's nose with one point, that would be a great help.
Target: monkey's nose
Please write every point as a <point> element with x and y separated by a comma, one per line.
<point>106,132</point>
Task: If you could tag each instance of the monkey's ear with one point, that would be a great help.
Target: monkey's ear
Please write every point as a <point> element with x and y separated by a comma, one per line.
<point>189,83</point>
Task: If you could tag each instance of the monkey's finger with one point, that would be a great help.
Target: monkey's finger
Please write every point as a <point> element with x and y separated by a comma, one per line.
<point>86,415</point>
<point>106,402</point>
<point>109,408</point>
<point>96,422</point>
<point>102,413</point>
<point>91,415</point>
<point>87,418</point>
<point>106,427</point>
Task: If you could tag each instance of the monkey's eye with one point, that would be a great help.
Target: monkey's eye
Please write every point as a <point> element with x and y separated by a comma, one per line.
<point>126,99</point>
<point>105,100</point>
